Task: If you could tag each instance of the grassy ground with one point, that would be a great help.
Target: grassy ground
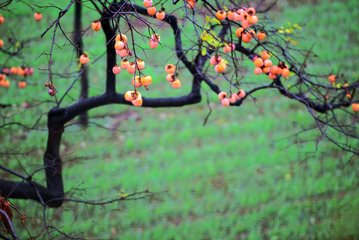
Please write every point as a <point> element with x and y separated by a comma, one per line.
<point>242,176</point>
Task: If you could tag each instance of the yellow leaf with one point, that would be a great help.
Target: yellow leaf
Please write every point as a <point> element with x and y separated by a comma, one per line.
<point>289,30</point>
<point>215,21</point>
<point>123,194</point>
<point>297,26</point>
<point>208,19</point>
<point>203,51</point>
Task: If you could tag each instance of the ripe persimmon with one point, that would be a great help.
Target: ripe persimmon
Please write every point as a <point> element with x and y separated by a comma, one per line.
<point>272,76</point>
<point>20,71</point>
<point>239,32</point>
<point>275,70</point>
<point>268,63</point>
<point>84,59</point>
<point>6,70</point>
<point>170,77</point>
<point>131,69</point>
<point>225,102</point>
<point>258,62</point>
<point>96,26</point>
<point>153,44</point>
<point>1,43</point>
<point>240,15</point>
<point>2,19</point>
<point>215,60</point>
<point>123,52</point>
<point>221,67</point>
<point>156,37</point>
<point>251,11</point>
<point>14,70</point>
<point>221,15</point>
<point>285,72</point>
<point>229,47</point>
<point>119,45</point>
<point>245,24</point>
<point>147,3</point>
<point>258,71</point>
<point>234,97</point>
<point>176,83</point>
<point>246,37</point>
<point>140,64</point>
<point>266,69</point>
<point>252,19</point>
<point>231,15</point>
<point>22,84</point>
<point>160,15</point>
<point>355,107</point>
<point>332,78</point>
<point>241,93</point>
<point>136,81</point>
<point>132,96</point>
<point>265,55</point>
<point>37,16</point>
<point>191,4</point>
<point>137,102</point>
<point>121,37</point>
<point>125,63</point>
<point>151,11</point>
<point>116,69</point>
<point>222,95</point>
<point>5,83</point>
<point>129,95</point>
<point>146,81</point>
<point>170,68</point>
<point>261,36</point>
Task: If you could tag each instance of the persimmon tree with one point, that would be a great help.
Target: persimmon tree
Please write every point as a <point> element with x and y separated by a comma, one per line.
<point>224,36</point>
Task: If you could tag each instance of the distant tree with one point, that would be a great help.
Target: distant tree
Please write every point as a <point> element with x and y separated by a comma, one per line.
<point>224,35</point>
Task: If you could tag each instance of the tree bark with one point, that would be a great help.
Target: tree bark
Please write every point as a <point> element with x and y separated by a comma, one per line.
<point>84,83</point>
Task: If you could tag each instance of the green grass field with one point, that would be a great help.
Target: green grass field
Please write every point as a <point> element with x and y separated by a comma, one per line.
<point>245,175</point>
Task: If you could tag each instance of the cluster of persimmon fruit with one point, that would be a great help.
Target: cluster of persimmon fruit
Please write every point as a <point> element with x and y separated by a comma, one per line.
<point>332,78</point>
<point>264,65</point>
<point>134,97</point>
<point>219,63</point>
<point>122,49</point>
<point>246,17</point>
<point>171,76</point>
<point>247,35</point>
<point>226,100</point>
<point>15,71</point>
<point>152,11</point>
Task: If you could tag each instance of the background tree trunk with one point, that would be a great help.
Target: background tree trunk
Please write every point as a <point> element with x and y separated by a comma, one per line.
<point>83,118</point>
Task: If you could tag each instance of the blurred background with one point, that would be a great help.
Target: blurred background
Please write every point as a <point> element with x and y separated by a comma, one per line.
<point>249,173</point>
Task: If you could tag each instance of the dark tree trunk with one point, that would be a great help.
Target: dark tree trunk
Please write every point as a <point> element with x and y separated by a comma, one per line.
<point>53,194</point>
<point>83,118</point>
